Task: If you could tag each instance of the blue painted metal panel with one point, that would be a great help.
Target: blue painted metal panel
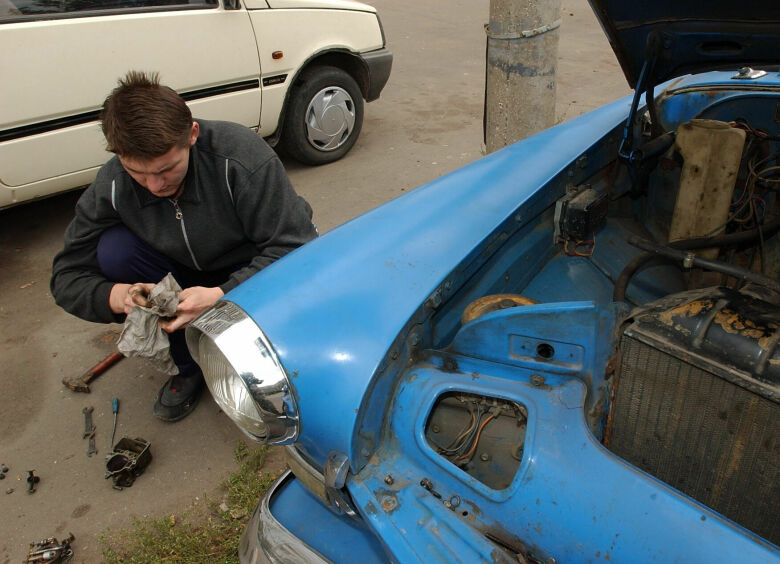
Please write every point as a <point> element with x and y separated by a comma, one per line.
<point>332,308</point>
<point>570,495</point>
<point>578,335</point>
<point>701,95</point>
<point>570,278</point>
<point>707,80</point>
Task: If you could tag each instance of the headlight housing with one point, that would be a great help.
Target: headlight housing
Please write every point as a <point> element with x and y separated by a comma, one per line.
<point>244,374</point>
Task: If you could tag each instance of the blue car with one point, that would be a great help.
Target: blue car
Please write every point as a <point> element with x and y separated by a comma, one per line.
<point>566,351</point>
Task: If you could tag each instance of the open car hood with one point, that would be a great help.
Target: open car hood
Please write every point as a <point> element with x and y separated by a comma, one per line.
<point>690,35</point>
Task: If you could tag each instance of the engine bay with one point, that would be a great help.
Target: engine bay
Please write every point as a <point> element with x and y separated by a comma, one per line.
<point>680,240</point>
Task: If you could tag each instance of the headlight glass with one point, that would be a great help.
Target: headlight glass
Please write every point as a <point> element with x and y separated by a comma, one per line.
<point>243,374</point>
<point>229,390</point>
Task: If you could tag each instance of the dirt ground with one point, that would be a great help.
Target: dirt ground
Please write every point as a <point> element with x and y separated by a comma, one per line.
<point>428,122</point>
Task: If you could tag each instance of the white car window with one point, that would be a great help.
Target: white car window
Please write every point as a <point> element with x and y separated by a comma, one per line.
<point>11,10</point>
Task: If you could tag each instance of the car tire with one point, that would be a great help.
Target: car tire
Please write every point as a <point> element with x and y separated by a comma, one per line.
<point>324,116</point>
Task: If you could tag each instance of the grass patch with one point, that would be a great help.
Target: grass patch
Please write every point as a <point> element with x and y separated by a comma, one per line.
<point>207,533</point>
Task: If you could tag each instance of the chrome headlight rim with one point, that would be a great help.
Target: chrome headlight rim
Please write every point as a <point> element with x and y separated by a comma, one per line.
<point>252,357</point>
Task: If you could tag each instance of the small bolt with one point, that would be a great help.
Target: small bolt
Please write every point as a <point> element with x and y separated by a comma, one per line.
<point>3,468</point>
<point>415,340</point>
<point>537,380</point>
<point>389,503</point>
<point>394,355</point>
<point>9,491</point>
<point>435,428</point>
<point>484,457</point>
<point>389,480</point>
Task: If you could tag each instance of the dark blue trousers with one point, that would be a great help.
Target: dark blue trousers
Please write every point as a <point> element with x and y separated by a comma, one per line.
<point>125,258</point>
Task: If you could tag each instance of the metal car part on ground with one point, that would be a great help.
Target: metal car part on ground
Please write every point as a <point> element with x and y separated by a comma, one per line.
<point>50,551</point>
<point>127,460</point>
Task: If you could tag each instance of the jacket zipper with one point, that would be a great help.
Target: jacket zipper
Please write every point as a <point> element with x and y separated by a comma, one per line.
<point>180,217</point>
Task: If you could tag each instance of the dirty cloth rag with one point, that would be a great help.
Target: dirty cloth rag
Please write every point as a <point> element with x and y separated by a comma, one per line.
<point>141,336</point>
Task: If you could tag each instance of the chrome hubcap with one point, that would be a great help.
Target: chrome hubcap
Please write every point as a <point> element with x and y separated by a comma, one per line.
<point>330,118</point>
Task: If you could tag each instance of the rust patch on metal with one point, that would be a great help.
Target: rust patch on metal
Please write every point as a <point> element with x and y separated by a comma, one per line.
<point>370,509</point>
<point>731,322</point>
<point>495,302</point>
<point>691,309</point>
<point>474,509</point>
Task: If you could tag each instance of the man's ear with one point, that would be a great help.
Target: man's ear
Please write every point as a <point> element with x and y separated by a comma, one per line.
<point>194,133</point>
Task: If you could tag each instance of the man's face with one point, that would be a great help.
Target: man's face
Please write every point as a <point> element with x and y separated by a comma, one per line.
<point>163,176</point>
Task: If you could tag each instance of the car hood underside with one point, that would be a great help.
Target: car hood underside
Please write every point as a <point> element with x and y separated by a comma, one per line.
<point>690,36</point>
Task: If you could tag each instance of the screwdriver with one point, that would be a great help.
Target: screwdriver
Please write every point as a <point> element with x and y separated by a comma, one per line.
<point>115,409</point>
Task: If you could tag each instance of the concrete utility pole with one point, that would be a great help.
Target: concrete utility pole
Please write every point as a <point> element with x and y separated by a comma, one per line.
<point>522,54</point>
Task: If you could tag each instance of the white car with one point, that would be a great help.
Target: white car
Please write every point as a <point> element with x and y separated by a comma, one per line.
<point>296,71</point>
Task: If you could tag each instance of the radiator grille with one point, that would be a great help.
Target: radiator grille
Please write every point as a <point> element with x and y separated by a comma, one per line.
<point>712,440</point>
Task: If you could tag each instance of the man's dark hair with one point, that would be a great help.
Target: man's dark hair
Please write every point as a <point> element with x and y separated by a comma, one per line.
<point>143,119</point>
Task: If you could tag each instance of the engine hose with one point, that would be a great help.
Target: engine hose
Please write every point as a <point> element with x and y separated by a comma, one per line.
<point>689,259</point>
<point>767,230</point>
<point>642,260</point>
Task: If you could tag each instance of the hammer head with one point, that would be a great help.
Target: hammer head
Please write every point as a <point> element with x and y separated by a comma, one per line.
<point>81,383</point>
<point>77,384</point>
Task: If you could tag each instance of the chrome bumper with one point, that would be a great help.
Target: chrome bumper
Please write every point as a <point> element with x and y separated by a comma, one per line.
<point>266,541</point>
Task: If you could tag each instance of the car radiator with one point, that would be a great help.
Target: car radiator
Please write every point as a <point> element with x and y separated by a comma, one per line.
<point>695,402</point>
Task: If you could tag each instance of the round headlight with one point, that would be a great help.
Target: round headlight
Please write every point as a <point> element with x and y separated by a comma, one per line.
<point>243,374</point>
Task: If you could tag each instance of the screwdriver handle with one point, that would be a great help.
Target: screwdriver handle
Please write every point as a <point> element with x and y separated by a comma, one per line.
<point>115,405</point>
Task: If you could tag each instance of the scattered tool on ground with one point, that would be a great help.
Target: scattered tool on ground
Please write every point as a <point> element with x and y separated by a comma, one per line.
<point>32,481</point>
<point>115,410</point>
<point>127,461</point>
<point>81,383</point>
<point>89,430</point>
<point>50,551</point>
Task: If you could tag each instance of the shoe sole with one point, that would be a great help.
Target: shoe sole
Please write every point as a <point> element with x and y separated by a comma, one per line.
<point>186,407</point>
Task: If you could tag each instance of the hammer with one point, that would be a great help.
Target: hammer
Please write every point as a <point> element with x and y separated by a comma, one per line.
<point>81,383</point>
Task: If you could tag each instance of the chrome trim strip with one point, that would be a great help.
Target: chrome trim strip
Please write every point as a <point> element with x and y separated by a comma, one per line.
<point>266,541</point>
<point>252,356</point>
<point>311,478</point>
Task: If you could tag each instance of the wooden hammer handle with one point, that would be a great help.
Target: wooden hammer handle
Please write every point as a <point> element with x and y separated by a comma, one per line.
<point>102,366</point>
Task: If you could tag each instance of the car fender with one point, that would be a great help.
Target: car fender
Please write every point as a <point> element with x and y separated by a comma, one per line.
<point>359,286</point>
<point>316,32</point>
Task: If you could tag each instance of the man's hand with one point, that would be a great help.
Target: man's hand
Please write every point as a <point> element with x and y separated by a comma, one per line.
<point>124,297</point>
<point>192,302</point>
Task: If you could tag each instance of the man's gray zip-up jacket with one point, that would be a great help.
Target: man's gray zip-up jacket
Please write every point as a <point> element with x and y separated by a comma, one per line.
<point>237,207</point>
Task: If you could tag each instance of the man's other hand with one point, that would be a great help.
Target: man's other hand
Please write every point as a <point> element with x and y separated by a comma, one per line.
<point>124,297</point>
<point>192,302</point>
